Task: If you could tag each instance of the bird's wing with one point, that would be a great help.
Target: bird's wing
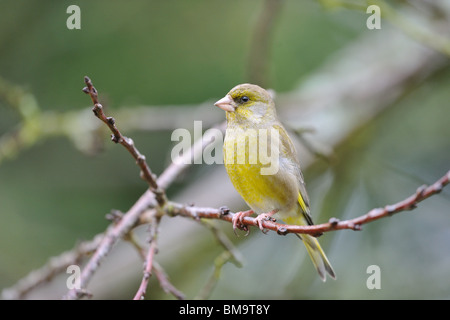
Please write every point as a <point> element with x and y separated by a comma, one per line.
<point>287,147</point>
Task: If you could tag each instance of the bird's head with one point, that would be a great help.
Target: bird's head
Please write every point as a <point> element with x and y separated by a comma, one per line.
<point>248,104</point>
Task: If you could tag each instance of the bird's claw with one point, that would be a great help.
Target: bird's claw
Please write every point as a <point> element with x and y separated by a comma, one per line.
<point>238,221</point>
<point>264,217</point>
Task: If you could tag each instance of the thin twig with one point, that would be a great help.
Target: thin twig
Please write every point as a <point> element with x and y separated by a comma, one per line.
<point>164,282</point>
<point>128,143</point>
<point>140,294</point>
<point>409,203</point>
<point>219,262</point>
<point>160,274</point>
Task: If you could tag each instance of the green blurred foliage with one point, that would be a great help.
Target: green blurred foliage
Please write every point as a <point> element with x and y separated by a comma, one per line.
<point>184,52</point>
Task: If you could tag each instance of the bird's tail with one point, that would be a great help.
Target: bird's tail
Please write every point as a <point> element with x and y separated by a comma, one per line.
<point>301,216</point>
<point>318,257</point>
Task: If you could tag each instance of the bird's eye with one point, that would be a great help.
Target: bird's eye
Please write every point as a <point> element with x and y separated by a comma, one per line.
<point>244,99</point>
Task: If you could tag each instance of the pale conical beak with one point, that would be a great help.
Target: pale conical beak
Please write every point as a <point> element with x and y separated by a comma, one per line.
<point>226,103</point>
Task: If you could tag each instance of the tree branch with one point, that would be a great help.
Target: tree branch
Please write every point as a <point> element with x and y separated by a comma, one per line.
<point>147,200</point>
<point>53,267</point>
<point>59,264</point>
<point>140,294</point>
<point>115,232</point>
<point>164,282</point>
<point>128,143</point>
<point>160,274</point>
<point>334,224</point>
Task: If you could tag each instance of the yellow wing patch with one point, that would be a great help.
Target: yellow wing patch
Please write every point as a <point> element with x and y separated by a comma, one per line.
<point>302,203</point>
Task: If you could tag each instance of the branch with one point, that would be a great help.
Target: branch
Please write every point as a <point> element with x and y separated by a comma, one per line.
<point>59,264</point>
<point>182,162</point>
<point>129,219</point>
<point>160,274</point>
<point>115,232</point>
<point>334,224</point>
<point>128,143</point>
<point>53,267</point>
<point>140,294</point>
<point>164,282</point>
<point>147,200</point>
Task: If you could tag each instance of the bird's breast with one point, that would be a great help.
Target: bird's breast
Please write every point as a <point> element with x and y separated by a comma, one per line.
<point>244,165</point>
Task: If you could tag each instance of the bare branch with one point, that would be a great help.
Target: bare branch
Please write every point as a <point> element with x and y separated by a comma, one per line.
<point>103,244</point>
<point>53,267</point>
<point>140,294</point>
<point>115,232</point>
<point>334,224</point>
<point>128,143</point>
<point>164,282</point>
<point>160,274</point>
<point>183,161</point>
<point>147,200</point>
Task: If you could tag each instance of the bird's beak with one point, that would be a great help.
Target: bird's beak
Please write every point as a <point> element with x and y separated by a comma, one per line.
<point>226,103</point>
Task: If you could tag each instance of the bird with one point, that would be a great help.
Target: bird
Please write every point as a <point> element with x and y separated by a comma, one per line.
<point>275,188</point>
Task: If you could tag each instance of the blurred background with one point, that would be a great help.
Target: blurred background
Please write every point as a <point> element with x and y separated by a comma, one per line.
<point>370,106</point>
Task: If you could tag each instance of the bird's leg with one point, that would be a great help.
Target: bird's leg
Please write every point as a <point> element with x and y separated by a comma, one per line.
<point>238,220</point>
<point>265,217</point>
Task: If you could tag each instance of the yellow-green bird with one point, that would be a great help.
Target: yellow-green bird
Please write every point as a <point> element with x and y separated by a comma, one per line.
<point>262,164</point>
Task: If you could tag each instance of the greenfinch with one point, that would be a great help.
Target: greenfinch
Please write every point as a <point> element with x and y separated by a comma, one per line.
<point>268,187</point>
